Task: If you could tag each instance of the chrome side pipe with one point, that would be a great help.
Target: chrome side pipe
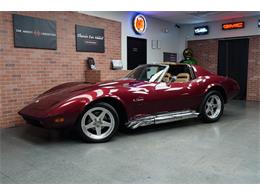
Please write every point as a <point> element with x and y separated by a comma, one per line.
<point>162,118</point>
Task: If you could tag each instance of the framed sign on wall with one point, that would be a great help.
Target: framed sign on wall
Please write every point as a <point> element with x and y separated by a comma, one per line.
<point>90,39</point>
<point>30,32</point>
<point>169,57</point>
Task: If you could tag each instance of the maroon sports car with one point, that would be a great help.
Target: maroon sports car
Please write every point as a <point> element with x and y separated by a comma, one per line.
<point>150,94</point>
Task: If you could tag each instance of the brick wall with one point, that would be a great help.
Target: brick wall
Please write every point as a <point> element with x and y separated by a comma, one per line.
<point>94,76</point>
<point>253,83</point>
<point>206,52</point>
<point>1,68</point>
<point>25,73</point>
<point>1,74</point>
<point>1,121</point>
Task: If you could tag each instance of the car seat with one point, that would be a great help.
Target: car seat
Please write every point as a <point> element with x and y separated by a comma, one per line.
<point>182,77</point>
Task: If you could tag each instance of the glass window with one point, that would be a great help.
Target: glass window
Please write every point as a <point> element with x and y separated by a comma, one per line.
<point>151,73</point>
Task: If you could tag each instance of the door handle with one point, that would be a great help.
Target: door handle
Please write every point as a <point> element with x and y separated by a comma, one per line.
<point>139,99</point>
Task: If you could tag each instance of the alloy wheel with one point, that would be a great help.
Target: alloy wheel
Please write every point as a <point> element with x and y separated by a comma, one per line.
<point>98,123</point>
<point>213,106</point>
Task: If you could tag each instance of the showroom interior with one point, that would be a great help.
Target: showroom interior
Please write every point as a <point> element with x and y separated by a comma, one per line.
<point>225,43</point>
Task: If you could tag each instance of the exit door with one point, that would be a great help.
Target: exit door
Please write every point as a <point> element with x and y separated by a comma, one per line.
<point>136,52</point>
<point>233,62</point>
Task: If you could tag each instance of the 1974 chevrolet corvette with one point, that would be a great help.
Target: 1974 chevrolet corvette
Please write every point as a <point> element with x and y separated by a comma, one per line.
<point>150,94</point>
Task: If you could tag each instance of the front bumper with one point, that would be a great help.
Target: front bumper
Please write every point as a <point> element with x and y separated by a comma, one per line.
<point>58,116</point>
<point>48,123</point>
<point>34,121</point>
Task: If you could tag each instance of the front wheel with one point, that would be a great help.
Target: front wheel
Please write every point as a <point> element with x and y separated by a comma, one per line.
<point>98,123</point>
<point>212,107</point>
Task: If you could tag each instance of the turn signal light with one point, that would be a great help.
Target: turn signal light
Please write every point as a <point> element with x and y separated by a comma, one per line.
<point>59,120</point>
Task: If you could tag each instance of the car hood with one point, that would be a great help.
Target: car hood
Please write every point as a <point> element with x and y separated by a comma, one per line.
<point>82,87</point>
<point>67,91</point>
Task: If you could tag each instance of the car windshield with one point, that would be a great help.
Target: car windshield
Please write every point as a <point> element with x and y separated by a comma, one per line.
<point>151,73</point>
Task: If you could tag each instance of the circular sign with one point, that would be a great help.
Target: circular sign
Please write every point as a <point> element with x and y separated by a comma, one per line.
<point>140,24</point>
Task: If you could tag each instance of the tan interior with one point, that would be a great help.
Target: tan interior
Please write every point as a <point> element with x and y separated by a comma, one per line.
<point>167,78</point>
<point>183,77</point>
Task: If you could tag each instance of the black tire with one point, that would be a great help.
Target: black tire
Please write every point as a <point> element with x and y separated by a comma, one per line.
<point>87,136</point>
<point>204,115</point>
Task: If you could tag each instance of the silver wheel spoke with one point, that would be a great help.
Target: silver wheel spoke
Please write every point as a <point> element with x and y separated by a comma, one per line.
<point>102,115</point>
<point>92,116</point>
<point>212,101</point>
<point>98,130</point>
<point>106,124</point>
<point>89,126</point>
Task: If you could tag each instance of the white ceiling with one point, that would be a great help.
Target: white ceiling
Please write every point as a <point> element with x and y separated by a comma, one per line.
<point>192,17</point>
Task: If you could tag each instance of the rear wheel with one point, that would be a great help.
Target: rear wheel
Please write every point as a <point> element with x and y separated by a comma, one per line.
<point>98,123</point>
<point>212,107</point>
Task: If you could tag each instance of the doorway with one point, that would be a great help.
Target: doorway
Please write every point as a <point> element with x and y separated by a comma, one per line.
<point>233,62</point>
<point>136,52</point>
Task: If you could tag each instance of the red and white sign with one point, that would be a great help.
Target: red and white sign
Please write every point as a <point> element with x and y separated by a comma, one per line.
<point>139,24</point>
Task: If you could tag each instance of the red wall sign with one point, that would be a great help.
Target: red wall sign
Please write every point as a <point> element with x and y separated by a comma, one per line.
<point>234,25</point>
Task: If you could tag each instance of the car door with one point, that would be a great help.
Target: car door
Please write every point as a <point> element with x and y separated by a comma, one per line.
<point>141,98</point>
<point>176,96</point>
<point>142,93</point>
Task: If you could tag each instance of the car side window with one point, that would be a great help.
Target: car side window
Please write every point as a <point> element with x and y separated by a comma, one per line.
<point>151,71</point>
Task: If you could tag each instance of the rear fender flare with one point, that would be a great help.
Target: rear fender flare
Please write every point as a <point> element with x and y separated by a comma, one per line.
<point>210,87</point>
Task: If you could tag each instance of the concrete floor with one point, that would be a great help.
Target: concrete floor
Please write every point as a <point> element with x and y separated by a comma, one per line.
<point>182,152</point>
